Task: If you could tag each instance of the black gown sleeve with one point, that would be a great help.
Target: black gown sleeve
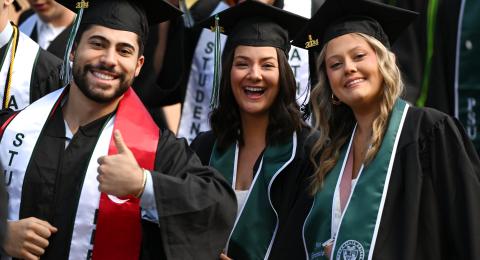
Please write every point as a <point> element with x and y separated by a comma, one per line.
<point>45,75</point>
<point>450,161</point>
<point>203,146</point>
<point>196,206</point>
<point>3,211</point>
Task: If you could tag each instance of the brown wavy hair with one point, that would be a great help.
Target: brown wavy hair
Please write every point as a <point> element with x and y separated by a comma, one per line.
<point>284,114</point>
<point>336,122</point>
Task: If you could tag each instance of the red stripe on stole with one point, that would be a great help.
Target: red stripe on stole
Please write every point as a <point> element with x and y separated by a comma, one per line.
<point>118,232</point>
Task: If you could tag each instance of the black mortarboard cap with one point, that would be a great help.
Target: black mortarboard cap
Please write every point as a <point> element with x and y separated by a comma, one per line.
<point>339,17</point>
<point>126,15</point>
<point>254,23</point>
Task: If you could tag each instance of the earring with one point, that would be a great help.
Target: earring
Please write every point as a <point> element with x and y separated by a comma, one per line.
<point>334,99</point>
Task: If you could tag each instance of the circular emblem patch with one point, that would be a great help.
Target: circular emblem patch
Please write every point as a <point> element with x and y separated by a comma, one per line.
<point>351,250</point>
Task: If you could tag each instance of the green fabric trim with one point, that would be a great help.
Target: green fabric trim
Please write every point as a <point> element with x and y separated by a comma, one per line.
<point>431,24</point>
<point>362,215</point>
<point>255,229</point>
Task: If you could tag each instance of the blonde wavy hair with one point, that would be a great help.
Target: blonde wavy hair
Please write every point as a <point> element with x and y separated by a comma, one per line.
<point>336,122</point>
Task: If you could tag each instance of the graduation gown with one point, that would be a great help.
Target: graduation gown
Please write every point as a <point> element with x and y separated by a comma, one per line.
<point>3,210</point>
<point>286,191</point>
<point>195,204</point>
<point>432,207</point>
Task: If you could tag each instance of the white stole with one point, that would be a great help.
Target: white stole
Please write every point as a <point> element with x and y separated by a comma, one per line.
<point>24,62</point>
<point>196,106</point>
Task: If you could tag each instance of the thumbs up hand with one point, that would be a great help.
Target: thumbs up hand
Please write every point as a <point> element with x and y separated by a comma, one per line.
<point>119,174</point>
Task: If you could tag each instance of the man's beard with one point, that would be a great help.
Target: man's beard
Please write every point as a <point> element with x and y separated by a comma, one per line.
<point>80,78</point>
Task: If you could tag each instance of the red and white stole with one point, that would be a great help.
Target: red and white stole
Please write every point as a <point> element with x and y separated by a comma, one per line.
<point>106,227</point>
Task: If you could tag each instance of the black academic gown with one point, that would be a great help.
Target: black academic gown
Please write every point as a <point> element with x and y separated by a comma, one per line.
<point>3,211</point>
<point>286,192</point>
<point>432,208</point>
<point>196,206</point>
<point>45,76</point>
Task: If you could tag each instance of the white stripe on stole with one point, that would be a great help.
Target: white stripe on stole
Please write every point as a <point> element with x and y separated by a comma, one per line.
<point>17,144</point>
<point>89,199</point>
<point>294,152</point>
<point>387,180</point>
<point>23,65</point>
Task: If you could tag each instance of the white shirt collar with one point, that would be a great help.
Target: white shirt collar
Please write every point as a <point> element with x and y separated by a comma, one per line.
<point>6,35</point>
<point>46,33</point>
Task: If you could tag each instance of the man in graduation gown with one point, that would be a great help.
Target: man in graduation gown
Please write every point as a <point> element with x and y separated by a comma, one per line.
<point>48,23</point>
<point>88,172</point>
<point>31,73</point>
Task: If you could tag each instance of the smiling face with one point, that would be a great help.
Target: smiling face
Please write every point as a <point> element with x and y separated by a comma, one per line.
<point>105,62</point>
<point>353,71</point>
<point>254,78</point>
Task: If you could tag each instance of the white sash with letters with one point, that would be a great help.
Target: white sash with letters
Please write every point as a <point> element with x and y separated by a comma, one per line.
<point>16,148</point>
<point>196,106</point>
<point>24,62</point>
<point>298,57</point>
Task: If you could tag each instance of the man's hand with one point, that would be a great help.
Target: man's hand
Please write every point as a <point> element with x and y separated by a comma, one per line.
<point>119,174</point>
<point>27,238</point>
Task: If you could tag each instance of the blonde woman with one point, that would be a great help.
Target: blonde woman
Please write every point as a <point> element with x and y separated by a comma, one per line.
<point>392,181</point>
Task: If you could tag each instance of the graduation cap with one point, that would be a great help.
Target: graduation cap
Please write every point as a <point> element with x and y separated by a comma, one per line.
<point>254,23</point>
<point>251,23</point>
<point>126,15</point>
<point>338,17</point>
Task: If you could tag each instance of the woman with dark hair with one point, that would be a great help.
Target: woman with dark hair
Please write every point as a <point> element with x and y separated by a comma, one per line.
<point>393,181</point>
<point>258,139</point>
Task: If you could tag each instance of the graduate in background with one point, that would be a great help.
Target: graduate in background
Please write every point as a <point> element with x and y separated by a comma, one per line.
<point>88,172</point>
<point>194,91</point>
<point>258,140</point>
<point>393,181</point>
<point>49,24</point>
<point>27,71</point>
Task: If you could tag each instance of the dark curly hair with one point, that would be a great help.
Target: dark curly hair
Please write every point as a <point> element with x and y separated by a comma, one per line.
<point>284,114</point>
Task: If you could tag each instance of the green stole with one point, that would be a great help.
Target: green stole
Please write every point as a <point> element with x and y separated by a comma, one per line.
<point>257,222</point>
<point>467,80</point>
<point>357,232</point>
